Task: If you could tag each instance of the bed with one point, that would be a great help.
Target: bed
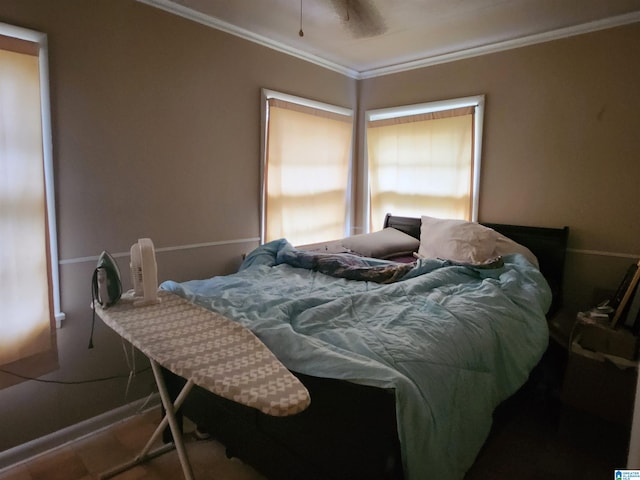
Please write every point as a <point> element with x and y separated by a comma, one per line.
<point>405,357</point>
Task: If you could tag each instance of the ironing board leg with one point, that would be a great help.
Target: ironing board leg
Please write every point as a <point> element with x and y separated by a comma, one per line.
<point>170,418</point>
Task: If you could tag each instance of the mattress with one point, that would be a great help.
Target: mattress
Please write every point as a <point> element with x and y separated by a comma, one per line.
<point>451,340</point>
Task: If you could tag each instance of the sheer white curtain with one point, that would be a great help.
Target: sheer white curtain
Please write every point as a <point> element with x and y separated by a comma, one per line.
<point>26,317</point>
<point>422,165</point>
<point>308,152</point>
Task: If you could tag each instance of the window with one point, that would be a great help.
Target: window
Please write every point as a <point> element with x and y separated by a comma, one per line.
<point>305,169</point>
<point>425,159</point>
<point>29,300</point>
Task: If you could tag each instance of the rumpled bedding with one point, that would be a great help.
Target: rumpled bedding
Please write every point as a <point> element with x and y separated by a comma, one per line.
<point>452,340</point>
<point>344,265</point>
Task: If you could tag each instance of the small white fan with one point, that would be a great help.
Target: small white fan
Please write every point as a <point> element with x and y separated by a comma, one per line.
<point>144,273</point>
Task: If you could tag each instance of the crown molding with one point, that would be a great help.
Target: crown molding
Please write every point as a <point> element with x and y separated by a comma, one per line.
<point>190,14</point>
<point>558,34</point>
<point>173,7</point>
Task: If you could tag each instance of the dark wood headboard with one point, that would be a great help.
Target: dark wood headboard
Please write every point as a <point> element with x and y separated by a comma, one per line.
<point>549,245</point>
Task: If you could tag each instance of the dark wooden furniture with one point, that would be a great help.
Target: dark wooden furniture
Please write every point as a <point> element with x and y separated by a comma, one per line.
<point>349,431</point>
<point>549,245</point>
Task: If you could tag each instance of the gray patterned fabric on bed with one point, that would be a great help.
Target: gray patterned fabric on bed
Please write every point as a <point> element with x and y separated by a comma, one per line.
<point>452,340</point>
<point>345,265</point>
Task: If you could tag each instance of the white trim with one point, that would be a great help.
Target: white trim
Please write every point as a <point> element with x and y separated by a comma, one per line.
<point>47,153</point>
<point>476,101</point>
<point>29,451</point>
<point>306,102</point>
<point>604,253</point>
<point>477,155</point>
<point>23,33</point>
<point>558,34</point>
<point>94,258</point>
<point>427,61</point>
<point>213,22</point>
<point>264,135</point>
<point>428,107</point>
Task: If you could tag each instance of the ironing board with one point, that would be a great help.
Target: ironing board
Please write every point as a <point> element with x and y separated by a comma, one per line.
<point>208,350</point>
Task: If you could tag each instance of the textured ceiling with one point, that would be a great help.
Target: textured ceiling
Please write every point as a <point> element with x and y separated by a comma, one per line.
<point>372,37</point>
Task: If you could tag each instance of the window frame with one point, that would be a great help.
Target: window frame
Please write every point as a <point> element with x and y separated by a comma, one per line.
<point>47,152</point>
<point>266,95</point>
<point>476,101</point>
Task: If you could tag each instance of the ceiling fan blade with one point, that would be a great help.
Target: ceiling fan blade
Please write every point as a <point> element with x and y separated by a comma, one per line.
<point>361,17</point>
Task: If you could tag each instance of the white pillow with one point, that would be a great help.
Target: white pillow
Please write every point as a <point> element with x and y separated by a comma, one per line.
<point>386,243</point>
<point>457,240</point>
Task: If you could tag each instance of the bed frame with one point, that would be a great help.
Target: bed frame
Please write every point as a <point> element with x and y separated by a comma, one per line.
<point>549,245</point>
<point>349,431</point>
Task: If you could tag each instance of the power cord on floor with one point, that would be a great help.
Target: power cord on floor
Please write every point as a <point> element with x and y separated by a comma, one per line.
<point>130,360</point>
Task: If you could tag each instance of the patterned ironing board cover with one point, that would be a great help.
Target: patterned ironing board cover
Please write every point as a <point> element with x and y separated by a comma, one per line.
<point>213,351</point>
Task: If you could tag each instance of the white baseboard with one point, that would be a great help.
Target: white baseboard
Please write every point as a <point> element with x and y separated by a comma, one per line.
<point>28,451</point>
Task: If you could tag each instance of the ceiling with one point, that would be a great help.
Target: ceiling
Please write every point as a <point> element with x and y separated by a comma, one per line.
<point>365,38</point>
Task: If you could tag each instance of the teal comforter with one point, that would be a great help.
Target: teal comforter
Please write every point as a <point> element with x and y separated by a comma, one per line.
<point>452,340</point>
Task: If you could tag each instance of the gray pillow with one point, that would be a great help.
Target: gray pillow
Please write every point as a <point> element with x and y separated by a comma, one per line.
<point>383,244</point>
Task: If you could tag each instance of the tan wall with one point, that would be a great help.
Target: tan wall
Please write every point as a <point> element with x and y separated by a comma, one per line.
<point>156,133</point>
<point>561,142</point>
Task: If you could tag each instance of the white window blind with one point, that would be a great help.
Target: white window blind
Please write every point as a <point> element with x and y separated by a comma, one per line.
<point>305,170</point>
<point>27,319</point>
<point>423,160</point>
